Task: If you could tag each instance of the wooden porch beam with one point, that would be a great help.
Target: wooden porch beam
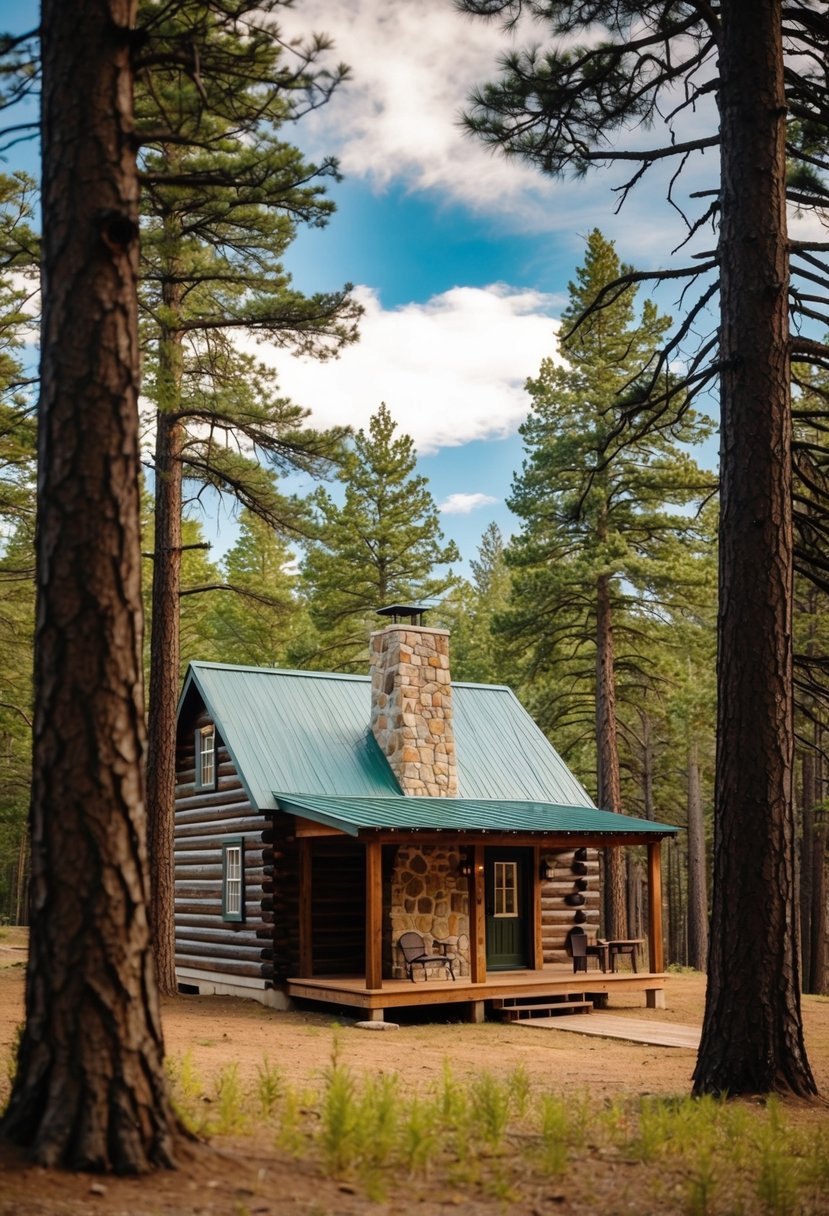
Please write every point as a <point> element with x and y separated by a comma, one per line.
<point>655,946</point>
<point>307,828</point>
<point>510,840</point>
<point>374,914</point>
<point>537,944</point>
<point>306,943</point>
<point>477,921</point>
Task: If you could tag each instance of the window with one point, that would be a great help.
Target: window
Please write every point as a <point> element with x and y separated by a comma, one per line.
<point>206,758</point>
<point>506,888</point>
<point>233,887</point>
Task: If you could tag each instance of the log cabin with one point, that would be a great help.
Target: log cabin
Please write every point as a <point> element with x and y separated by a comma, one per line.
<point>321,816</point>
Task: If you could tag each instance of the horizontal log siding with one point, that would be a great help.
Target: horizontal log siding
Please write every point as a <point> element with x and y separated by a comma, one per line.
<point>204,818</point>
<point>338,929</point>
<point>282,901</point>
<point>557,917</point>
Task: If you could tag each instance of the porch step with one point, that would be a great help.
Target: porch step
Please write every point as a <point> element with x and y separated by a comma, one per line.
<point>514,1008</point>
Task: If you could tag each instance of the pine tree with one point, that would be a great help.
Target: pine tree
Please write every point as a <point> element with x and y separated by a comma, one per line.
<point>258,617</point>
<point>469,612</point>
<point>611,68</point>
<point>89,1091</point>
<point>222,197</point>
<point>379,547</point>
<point>597,538</point>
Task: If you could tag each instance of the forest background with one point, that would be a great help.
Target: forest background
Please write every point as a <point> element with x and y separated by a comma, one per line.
<point>276,593</point>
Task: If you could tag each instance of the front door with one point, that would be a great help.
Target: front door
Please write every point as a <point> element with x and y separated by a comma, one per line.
<point>506,891</point>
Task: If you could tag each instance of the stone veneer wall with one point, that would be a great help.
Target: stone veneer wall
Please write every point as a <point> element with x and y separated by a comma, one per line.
<point>428,895</point>
<point>411,708</point>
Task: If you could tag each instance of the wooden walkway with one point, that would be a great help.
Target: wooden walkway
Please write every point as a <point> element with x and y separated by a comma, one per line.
<point>611,1026</point>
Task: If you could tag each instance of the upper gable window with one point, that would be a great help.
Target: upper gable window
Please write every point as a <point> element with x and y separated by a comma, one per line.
<point>206,758</point>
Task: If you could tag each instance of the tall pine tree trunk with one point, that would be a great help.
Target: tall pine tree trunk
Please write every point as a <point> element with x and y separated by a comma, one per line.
<point>89,1092</point>
<point>165,645</point>
<point>697,880</point>
<point>607,758</point>
<point>754,1044</point>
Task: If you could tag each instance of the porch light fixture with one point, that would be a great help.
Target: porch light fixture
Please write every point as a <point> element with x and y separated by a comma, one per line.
<point>465,866</point>
<point>547,869</point>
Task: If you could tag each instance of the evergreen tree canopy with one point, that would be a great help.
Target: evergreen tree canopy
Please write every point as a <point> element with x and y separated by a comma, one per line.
<point>18,282</point>
<point>379,547</point>
<point>222,197</point>
<point>257,619</point>
<point>594,509</point>
<point>470,609</point>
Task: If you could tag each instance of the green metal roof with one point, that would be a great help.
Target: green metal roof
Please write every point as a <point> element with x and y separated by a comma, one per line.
<point>302,732</point>
<point>466,815</point>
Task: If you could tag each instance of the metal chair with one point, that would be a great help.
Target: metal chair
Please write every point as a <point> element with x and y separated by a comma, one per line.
<point>413,949</point>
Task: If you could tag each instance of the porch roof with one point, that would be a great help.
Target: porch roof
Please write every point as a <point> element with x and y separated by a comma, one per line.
<point>465,815</point>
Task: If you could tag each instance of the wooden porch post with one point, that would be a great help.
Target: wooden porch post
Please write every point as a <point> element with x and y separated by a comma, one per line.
<point>656,950</point>
<point>537,943</point>
<point>306,944</point>
<point>374,914</point>
<point>477,923</point>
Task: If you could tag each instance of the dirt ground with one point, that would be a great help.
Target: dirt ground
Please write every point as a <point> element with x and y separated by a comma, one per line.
<point>251,1178</point>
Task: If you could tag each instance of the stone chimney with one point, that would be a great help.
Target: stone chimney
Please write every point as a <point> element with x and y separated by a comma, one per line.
<point>411,704</point>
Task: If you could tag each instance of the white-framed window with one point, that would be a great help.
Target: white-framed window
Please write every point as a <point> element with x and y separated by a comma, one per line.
<point>505,888</point>
<point>233,886</point>
<point>206,758</point>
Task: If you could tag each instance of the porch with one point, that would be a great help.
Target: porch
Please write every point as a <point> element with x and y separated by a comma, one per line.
<point>351,991</point>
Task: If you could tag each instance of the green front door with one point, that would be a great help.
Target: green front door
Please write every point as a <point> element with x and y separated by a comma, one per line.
<point>506,908</point>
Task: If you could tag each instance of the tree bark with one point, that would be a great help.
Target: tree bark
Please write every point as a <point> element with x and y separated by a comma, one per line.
<point>697,880</point>
<point>165,644</point>
<point>90,1090</point>
<point>607,759</point>
<point>754,1043</point>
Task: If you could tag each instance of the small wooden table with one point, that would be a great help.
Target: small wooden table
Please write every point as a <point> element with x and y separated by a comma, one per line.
<point>622,945</point>
<point>599,949</point>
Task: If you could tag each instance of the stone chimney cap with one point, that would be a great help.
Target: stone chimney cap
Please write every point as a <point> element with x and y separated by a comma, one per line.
<point>411,612</point>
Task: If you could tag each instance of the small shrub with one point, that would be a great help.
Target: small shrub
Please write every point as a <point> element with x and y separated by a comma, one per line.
<point>490,1109</point>
<point>555,1132</point>
<point>268,1087</point>
<point>230,1102</point>
<point>418,1136</point>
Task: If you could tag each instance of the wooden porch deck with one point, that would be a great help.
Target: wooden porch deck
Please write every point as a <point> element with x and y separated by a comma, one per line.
<point>350,990</point>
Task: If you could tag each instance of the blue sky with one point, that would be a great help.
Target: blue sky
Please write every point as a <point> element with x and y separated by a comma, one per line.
<point>461,258</point>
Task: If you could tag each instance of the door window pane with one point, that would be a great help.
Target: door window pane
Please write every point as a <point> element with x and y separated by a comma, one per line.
<point>506,888</point>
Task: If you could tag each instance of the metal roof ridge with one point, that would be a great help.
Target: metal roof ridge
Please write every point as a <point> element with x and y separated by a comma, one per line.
<point>209,664</point>
<point>202,664</point>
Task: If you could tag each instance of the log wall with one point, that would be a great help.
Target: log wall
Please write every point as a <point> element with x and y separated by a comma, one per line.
<point>204,818</point>
<point>557,916</point>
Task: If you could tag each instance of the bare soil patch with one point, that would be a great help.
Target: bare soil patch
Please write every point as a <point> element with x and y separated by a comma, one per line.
<point>250,1176</point>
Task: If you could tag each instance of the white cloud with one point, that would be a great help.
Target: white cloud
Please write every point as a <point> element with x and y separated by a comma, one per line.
<point>450,371</point>
<point>413,68</point>
<point>464,504</point>
<point>398,118</point>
